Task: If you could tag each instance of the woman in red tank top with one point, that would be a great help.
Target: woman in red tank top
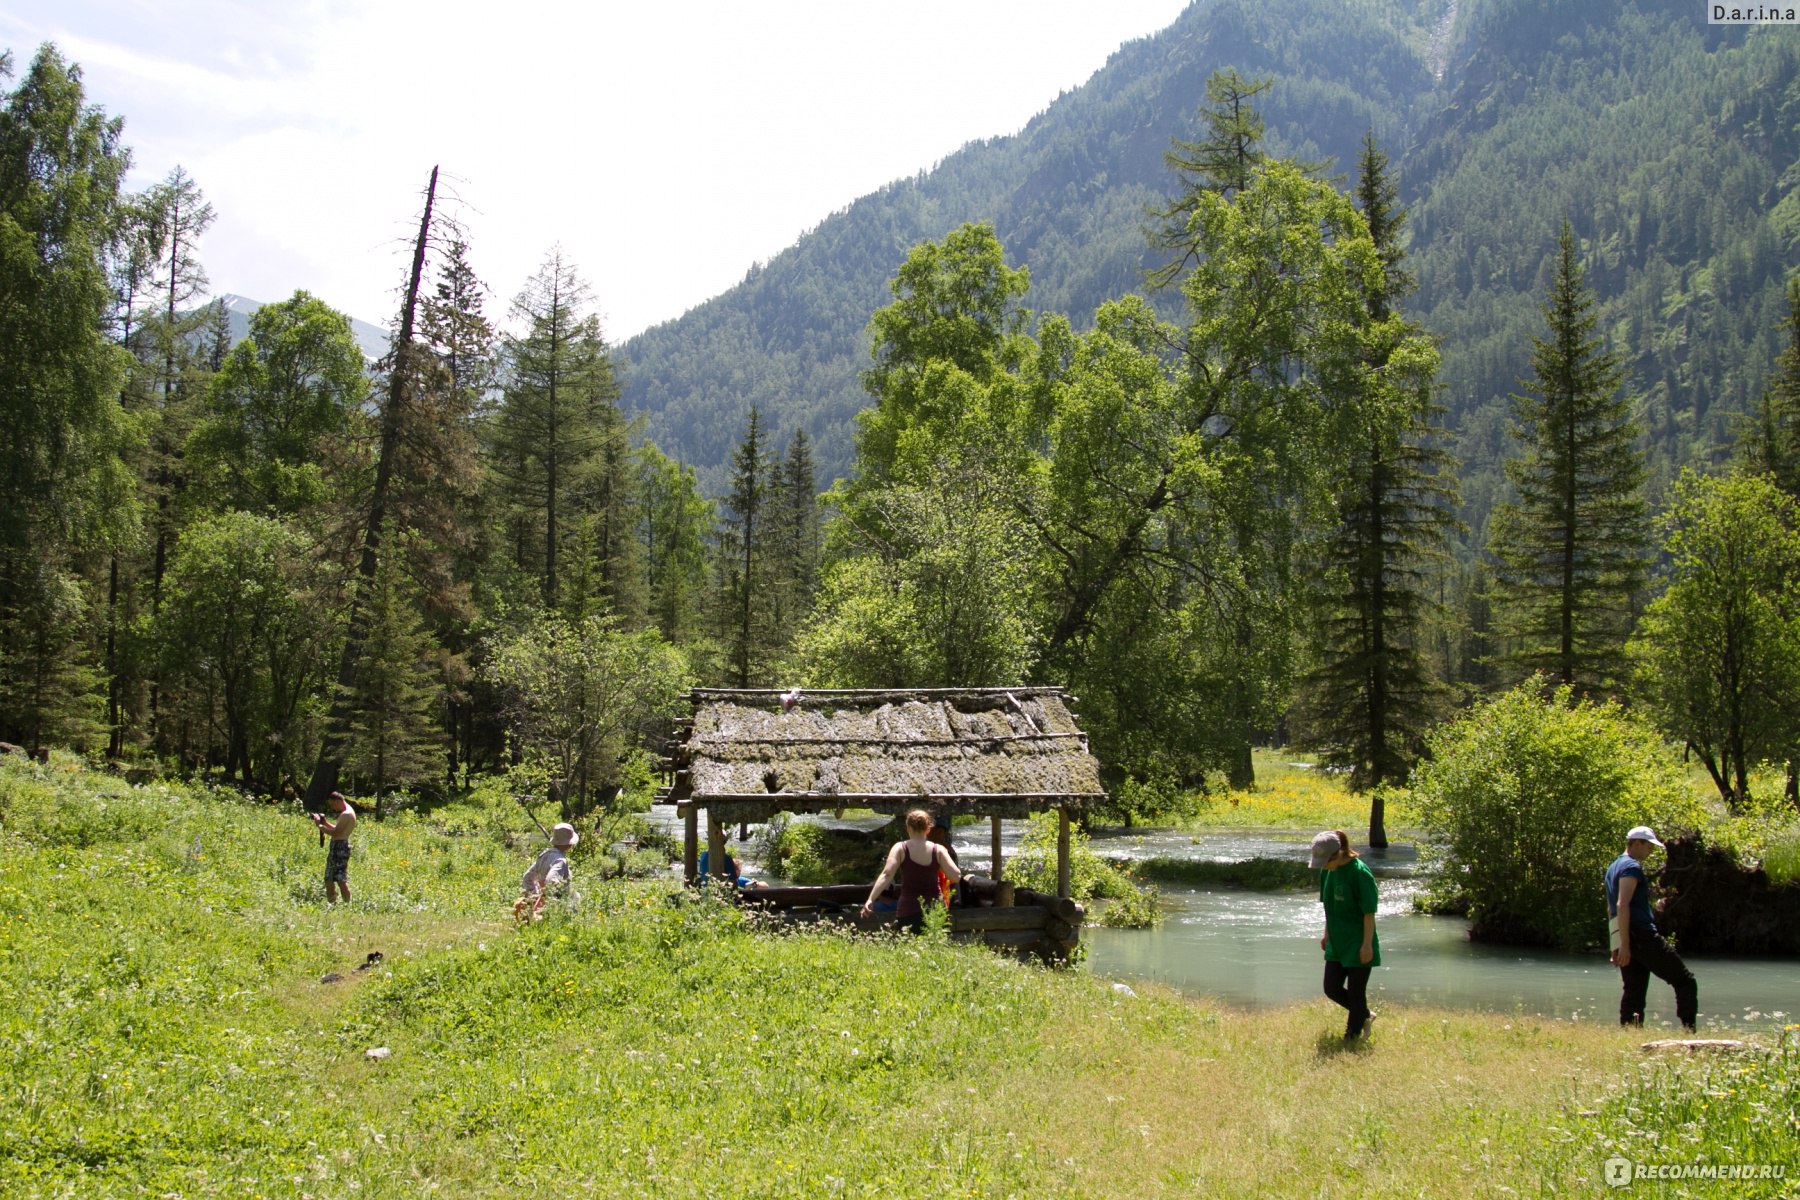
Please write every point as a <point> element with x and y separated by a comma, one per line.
<point>917,861</point>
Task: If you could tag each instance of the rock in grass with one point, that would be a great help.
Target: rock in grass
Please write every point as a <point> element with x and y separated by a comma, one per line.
<point>1695,1045</point>
<point>376,1053</point>
<point>334,977</point>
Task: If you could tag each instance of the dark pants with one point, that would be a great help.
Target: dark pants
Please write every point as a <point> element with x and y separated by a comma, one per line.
<point>1651,955</point>
<point>1348,987</point>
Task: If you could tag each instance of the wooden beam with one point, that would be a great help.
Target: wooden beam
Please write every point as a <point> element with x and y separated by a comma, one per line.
<point>690,848</point>
<point>997,872</point>
<point>851,799</point>
<point>715,847</point>
<point>1028,916</point>
<point>1062,852</point>
<point>842,695</point>
<point>848,895</point>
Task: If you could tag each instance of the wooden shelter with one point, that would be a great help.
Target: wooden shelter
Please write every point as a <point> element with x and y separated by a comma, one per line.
<point>747,755</point>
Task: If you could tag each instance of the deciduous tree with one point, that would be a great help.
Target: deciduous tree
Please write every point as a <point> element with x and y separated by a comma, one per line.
<point>1718,653</point>
<point>580,695</point>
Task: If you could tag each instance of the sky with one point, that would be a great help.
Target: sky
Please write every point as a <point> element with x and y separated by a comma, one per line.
<point>666,147</point>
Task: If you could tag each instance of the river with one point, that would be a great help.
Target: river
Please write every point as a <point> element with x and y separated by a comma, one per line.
<point>1260,949</point>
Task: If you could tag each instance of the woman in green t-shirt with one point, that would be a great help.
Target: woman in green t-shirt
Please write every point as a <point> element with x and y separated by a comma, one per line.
<point>1347,890</point>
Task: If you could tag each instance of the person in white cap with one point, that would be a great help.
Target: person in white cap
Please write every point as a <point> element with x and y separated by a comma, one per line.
<point>1639,951</point>
<point>550,873</point>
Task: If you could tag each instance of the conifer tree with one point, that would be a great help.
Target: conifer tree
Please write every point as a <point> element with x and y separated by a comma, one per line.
<point>1220,162</point>
<point>743,556</point>
<point>396,737</point>
<point>795,535</point>
<point>605,497</point>
<point>674,524</point>
<point>550,423</point>
<point>178,214</point>
<point>1770,443</point>
<point>1570,550</point>
<point>64,486</point>
<point>1372,694</point>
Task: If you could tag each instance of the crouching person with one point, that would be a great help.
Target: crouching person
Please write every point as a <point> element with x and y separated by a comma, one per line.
<point>549,875</point>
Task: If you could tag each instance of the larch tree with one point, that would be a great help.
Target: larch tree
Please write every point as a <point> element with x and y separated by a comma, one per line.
<point>1178,484</point>
<point>175,214</point>
<point>1570,550</point>
<point>1372,694</point>
<point>550,424</point>
<point>1221,162</point>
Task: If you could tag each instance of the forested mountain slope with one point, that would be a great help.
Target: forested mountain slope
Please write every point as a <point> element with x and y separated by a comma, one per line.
<point>1668,142</point>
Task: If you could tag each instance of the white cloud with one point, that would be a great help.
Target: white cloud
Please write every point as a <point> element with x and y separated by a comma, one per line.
<point>667,147</point>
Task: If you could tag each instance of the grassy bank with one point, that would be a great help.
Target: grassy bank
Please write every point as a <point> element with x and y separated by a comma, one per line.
<point>166,1033</point>
<point>1293,792</point>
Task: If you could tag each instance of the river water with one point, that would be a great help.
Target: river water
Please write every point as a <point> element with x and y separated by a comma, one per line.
<point>1261,949</point>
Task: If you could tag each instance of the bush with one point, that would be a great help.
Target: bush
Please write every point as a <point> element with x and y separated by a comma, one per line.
<point>1530,795</point>
<point>1128,904</point>
<point>1781,859</point>
<point>810,855</point>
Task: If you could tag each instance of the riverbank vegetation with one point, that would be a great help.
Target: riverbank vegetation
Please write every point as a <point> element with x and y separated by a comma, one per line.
<point>1258,874</point>
<point>168,1033</point>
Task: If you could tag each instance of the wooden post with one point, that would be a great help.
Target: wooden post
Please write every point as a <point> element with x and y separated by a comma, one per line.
<point>999,871</point>
<point>690,844</point>
<point>715,846</point>
<point>1062,852</point>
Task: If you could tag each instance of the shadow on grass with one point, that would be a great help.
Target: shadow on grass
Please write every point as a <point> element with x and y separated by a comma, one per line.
<point>1335,1045</point>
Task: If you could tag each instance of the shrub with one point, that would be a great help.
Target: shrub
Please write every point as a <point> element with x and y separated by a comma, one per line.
<point>1258,874</point>
<point>810,855</point>
<point>1129,904</point>
<point>1781,859</point>
<point>1530,795</point>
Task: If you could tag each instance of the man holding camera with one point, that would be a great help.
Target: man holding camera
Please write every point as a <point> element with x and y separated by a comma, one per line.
<point>337,858</point>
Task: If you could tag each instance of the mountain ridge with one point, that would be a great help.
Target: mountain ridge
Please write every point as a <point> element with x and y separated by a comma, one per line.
<point>1500,115</point>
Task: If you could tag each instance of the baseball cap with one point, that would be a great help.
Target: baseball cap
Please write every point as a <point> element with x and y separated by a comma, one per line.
<point>1324,846</point>
<point>1642,833</point>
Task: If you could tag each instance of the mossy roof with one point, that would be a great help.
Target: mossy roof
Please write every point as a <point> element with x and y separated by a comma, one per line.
<point>990,751</point>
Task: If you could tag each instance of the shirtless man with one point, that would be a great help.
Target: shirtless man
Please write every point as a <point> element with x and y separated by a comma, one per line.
<point>337,858</point>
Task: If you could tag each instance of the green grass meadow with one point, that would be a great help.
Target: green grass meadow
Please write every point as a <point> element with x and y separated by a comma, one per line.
<point>164,1033</point>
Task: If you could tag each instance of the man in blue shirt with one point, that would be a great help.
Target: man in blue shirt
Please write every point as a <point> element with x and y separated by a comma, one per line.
<point>1639,951</point>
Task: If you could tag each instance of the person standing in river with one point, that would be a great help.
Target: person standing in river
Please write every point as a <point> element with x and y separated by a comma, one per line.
<point>1639,951</point>
<point>1347,890</point>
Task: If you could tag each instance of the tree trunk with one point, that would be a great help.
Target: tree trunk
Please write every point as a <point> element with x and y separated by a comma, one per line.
<point>325,771</point>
